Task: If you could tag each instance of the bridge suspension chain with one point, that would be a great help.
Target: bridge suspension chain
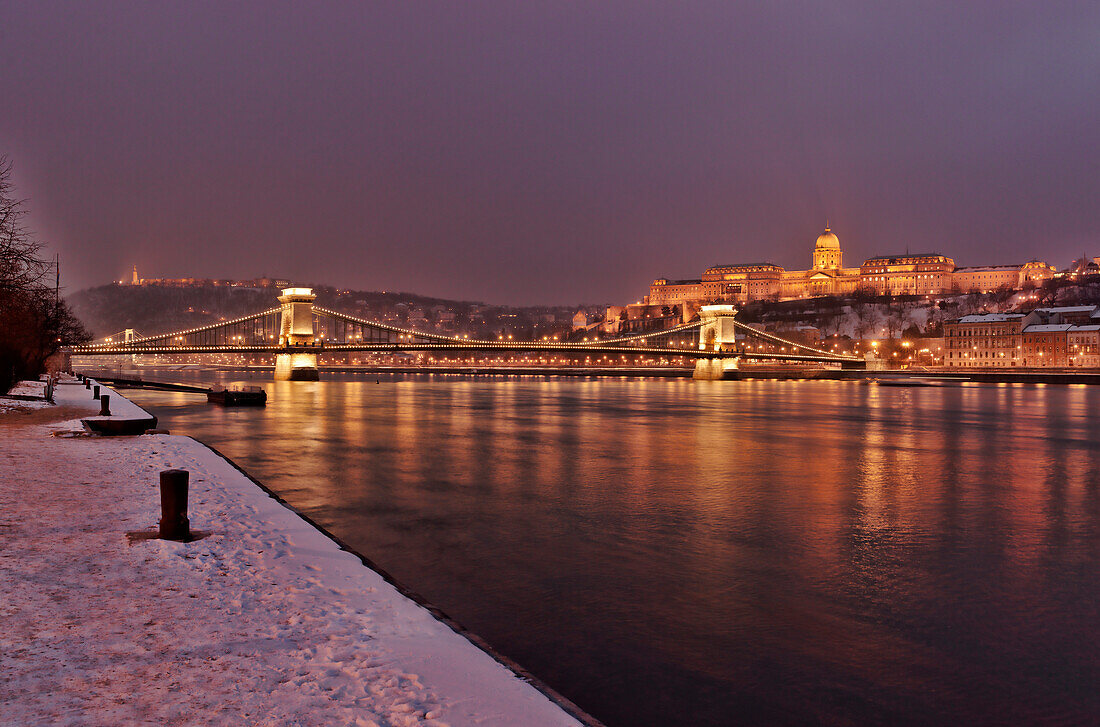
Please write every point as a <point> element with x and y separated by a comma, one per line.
<point>207,335</point>
<point>776,340</point>
<point>666,333</point>
<point>392,329</point>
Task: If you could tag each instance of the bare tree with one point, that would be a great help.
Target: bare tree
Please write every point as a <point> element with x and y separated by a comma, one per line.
<point>35,323</point>
<point>895,318</point>
<point>865,318</point>
<point>20,264</point>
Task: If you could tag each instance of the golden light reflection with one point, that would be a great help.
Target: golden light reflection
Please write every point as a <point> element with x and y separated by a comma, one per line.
<point>803,514</point>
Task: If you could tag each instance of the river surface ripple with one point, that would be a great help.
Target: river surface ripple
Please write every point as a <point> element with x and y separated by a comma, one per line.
<point>669,552</point>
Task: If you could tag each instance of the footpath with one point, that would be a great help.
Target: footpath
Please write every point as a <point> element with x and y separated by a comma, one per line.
<point>262,621</point>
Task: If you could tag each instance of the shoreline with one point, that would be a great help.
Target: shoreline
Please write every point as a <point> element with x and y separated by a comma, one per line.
<point>310,629</point>
<point>517,669</point>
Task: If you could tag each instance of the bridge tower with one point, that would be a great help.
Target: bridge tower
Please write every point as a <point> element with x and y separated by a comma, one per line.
<point>296,330</point>
<point>717,333</point>
<point>128,336</point>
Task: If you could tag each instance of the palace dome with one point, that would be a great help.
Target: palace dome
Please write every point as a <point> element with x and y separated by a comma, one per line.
<point>827,241</point>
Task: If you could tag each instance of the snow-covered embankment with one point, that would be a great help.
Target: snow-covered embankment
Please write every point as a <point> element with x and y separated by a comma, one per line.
<point>263,621</point>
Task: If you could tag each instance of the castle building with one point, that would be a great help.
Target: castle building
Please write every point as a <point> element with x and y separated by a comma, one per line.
<point>907,274</point>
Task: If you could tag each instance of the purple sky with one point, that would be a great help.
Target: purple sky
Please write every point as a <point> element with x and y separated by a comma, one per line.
<point>563,152</point>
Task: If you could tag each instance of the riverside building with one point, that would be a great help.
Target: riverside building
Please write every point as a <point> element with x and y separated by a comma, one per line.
<point>990,340</point>
<point>1062,337</point>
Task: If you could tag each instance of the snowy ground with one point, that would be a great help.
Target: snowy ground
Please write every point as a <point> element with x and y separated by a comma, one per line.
<point>16,407</point>
<point>264,621</point>
<point>15,401</point>
<point>29,388</point>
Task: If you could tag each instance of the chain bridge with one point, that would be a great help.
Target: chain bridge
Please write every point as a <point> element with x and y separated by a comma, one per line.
<point>296,332</point>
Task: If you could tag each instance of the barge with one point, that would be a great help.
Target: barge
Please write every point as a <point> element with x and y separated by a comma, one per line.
<point>237,396</point>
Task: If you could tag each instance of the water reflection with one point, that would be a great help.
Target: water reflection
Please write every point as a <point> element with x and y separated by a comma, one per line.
<point>669,552</point>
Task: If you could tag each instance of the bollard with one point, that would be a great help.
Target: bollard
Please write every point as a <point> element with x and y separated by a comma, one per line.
<point>95,391</point>
<point>87,383</point>
<point>105,405</point>
<point>173,505</point>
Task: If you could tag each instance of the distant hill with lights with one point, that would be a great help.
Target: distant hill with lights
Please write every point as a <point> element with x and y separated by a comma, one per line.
<point>156,306</point>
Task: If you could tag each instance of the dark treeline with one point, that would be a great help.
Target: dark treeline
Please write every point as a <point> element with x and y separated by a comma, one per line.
<point>34,322</point>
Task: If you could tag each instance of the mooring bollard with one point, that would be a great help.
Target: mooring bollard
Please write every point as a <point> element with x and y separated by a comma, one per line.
<point>173,505</point>
<point>95,391</point>
<point>87,383</point>
<point>105,405</point>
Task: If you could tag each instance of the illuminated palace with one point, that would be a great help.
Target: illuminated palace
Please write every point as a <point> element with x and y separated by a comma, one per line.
<point>908,274</point>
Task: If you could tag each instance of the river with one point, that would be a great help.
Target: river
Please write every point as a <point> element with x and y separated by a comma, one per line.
<point>669,552</point>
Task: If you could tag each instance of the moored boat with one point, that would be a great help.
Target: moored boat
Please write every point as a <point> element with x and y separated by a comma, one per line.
<point>237,396</point>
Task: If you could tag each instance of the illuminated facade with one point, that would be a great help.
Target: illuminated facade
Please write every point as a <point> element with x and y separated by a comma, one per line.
<point>1045,345</point>
<point>983,341</point>
<point>1083,346</point>
<point>922,274</point>
<point>908,274</point>
<point>1063,337</point>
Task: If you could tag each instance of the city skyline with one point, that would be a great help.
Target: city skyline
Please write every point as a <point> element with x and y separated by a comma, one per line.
<point>543,155</point>
<point>663,290</point>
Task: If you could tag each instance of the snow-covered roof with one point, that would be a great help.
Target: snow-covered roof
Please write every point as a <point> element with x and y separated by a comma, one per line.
<point>745,265</point>
<point>676,282</point>
<point>991,317</point>
<point>1090,327</point>
<point>893,259</point>
<point>1048,328</point>
<point>1069,309</point>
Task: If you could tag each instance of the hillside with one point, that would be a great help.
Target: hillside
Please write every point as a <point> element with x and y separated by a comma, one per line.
<point>866,316</point>
<point>152,309</point>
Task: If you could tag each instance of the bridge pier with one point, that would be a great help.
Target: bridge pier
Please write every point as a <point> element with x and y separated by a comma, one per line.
<point>296,367</point>
<point>296,328</point>
<point>716,369</point>
<point>871,362</point>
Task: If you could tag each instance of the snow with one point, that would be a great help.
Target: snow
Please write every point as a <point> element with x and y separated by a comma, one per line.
<point>29,388</point>
<point>15,402</point>
<point>263,621</point>
<point>16,406</point>
<point>121,407</point>
<point>1069,309</point>
<point>991,317</point>
<point>1049,328</point>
